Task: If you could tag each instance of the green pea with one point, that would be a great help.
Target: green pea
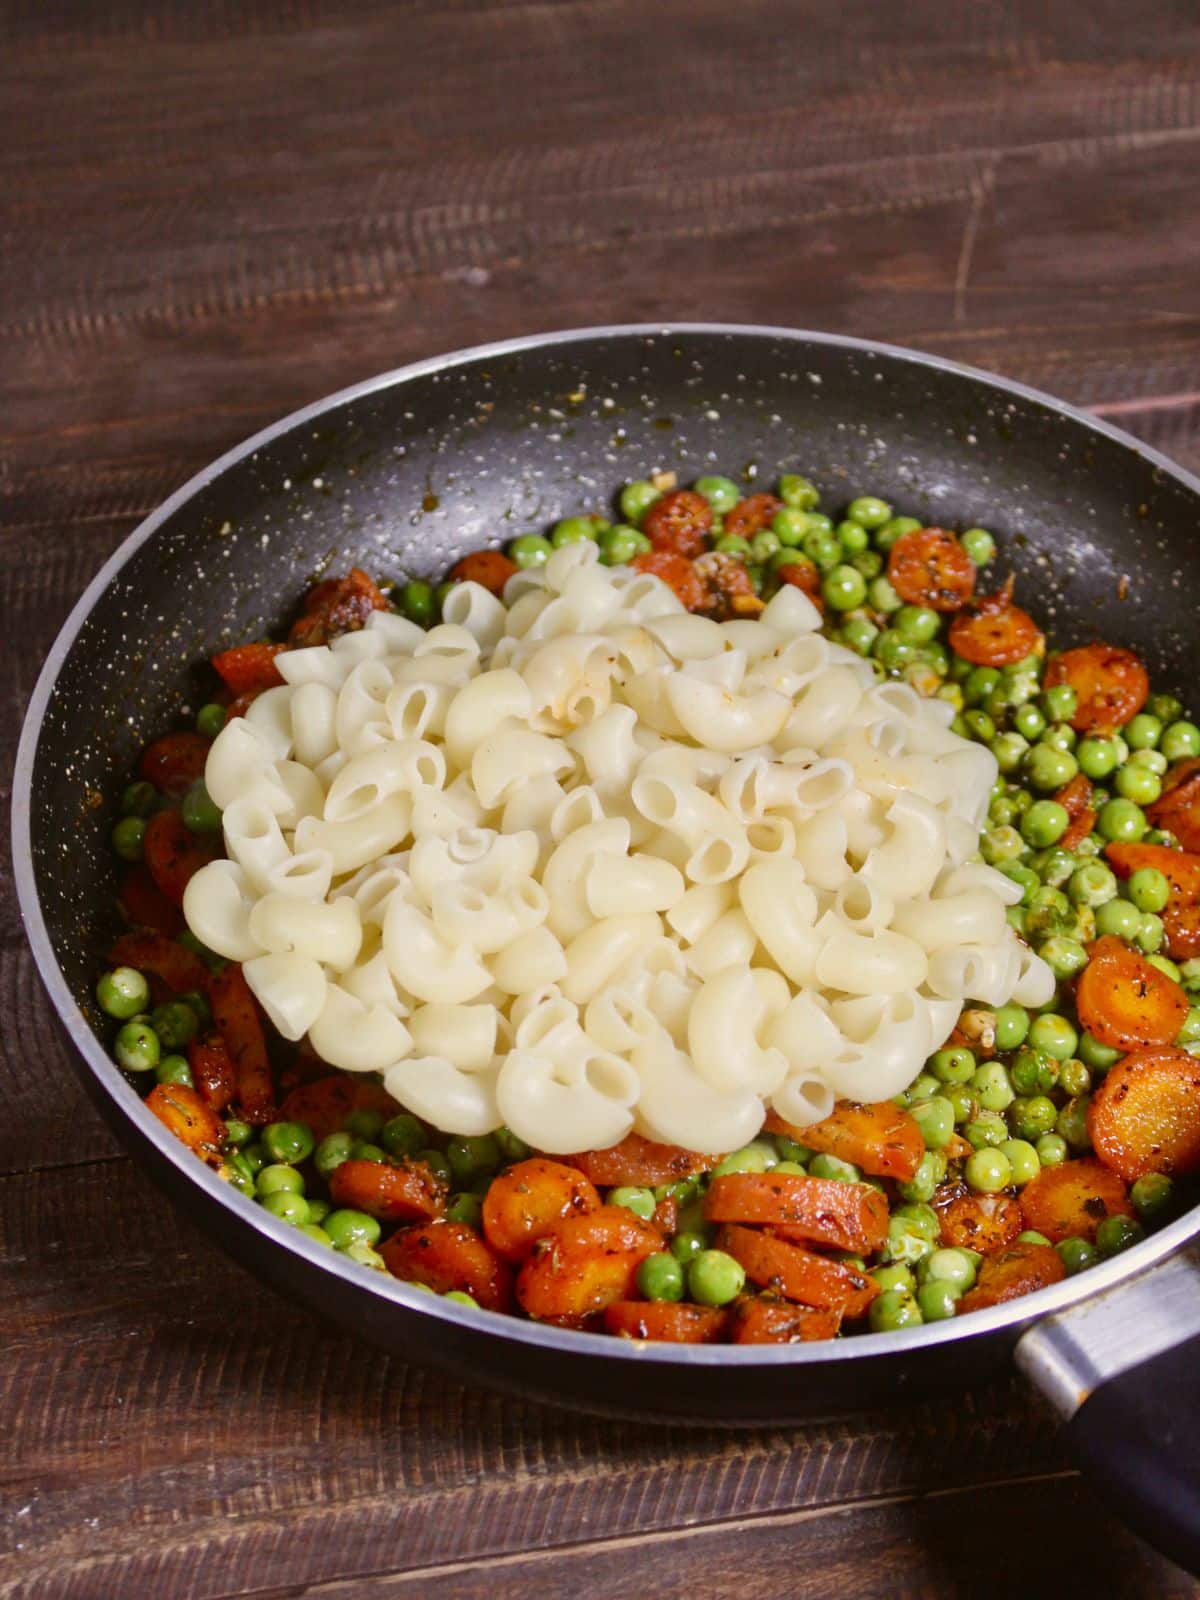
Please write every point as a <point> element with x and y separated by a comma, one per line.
<point>892,652</point>
<point>1180,741</point>
<point>949,1266</point>
<point>981,727</point>
<point>1009,750</point>
<point>511,1146</point>
<point>1076,1255</point>
<point>920,1218</point>
<point>331,1152</point>
<point>852,537</point>
<point>730,544</point>
<point>1034,1072</point>
<point>979,545</point>
<point>1029,721</point>
<point>318,1209</point>
<point>921,1088</point>
<point>661,1277</point>
<point>1142,732</point>
<point>918,624</point>
<point>313,1230</point>
<point>722,494</point>
<point>1031,1116</point>
<point>1118,918</point>
<point>818,522</point>
<point>1074,1078</point>
<point>869,511</point>
<point>894,1309</point>
<point>290,1142</point>
<point>436,1161</point>
<point>572,530</point>
<point>367,1256</point>
<point>122,993</point>
<point>279,1175</point>
<point>858,634</point>
<point>210,719</point>
<point>287,1205</point>
<point>868,562</point>
<point>1165,707</point>
<point>254,1157</point>
<point>1190,1032</point>
<point>1044,823</point>
<point>992,1086</point>
<point>1054,1035</point>
<point>1012,1027</point>
<point>530,550</point>
<point>827,1166</point>
<point>348,1227</point>
<point>798,492</point>
<point>465,1207</point>
<point>843,588</point>
<point>136,1047</point>
<point>1072,1123</point>
<point>1121,821</point>
<point>883,597</point>
<point>1150,761</point>
<point>1049,768</point>
<point>1137,783</point>
<point>138,799</point>
<point>635,500</point>
<point>620,544</point>
<point>1165,965</point>
<point>824,551</point>
<point>686,1246</point>
<point>1066,958</point>
<point>403,1135</point>
<point>1022,1161</point>
<point>241,1174</point>
<point>1092,884</point>
<point>1051,1149</point>
<point>986,1130</point>
<point>1060,736</point>
<point>416,602</point>
<point>174,1069</point>
<point>175,1024</point>
<point>200,812</point>
<point>935,1118</point>
<point>789,526</point>
<point>936,1301</point>
<point>440,595</point>
<point>962,1101</point>
<point>1116,1234</point>
<point>758,1156</point>
<point>640,1201</point>
<point>924,1181</point>
<point>1096,757</point>
<point>364,1124</point>
<point>1150,933</point>
<point>895,1275</point>
<point>1059,703</point>
<point>1003,812</point>
<point>469,1156</point>
<point>237,1132</point>
<point>1096,1055</point>
<point>127,838</point>
<point>895,528</point>
<point>1149,889</point>
<point>987,1171</point>
<point>1153,1196</point>
<point>953,1064</point>
<point>715,1278</point>
<point>1000,846</point>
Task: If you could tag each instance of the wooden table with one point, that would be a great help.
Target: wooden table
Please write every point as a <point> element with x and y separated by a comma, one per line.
<point>215,213</point>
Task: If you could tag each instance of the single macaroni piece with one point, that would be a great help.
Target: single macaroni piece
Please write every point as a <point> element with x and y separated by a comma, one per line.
<point>579,862</point>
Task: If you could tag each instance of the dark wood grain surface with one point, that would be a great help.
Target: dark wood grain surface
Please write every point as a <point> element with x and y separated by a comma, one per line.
<point>216,212</point>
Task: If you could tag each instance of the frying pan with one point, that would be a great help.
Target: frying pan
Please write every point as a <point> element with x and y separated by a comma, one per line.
<point>407,472</point>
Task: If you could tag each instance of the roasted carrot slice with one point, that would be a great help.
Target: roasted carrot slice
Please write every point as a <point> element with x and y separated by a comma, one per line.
<point>1073,1199</point>
<point>929,567</point>
<point>237,1020</point>
<point>1181,928</point>
<point>844,1216</point>
<point>983,1222</point>
<point>662,1320</point>
<point>640,1161</point>
<point>154,953</point>
<point>1018,1269</point>
<point>212,1071</point>
<point>1145,1116</point>
<point>174,762</point>
<point>450,1255</point>
<point>584,1264</point>
<point>995,633</point>
<point>678,522</point>
<point>803,574</point>
<point>1110,685</point>
<point>1124,1001</point>
<point>191,1121</point>
<point>756,1320</point>
<point>798,1274</point>
<point>144,905</point>
<point>1177,809</point>
<point>679,575</point>
<point>249,668</point>
<point>325,1105</point>
<point>1181,868</point>
<point>173,853</point>
<point>1076,799</point>
<point>489,568</point>
<point>752,515</point>
<point>525,1202</point>
<point>337,606</point>
<point>409,1191</point>
<point>880,1139</point>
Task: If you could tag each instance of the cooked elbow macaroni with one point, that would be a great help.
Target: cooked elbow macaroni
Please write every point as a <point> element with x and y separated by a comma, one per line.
<point>583,863</point>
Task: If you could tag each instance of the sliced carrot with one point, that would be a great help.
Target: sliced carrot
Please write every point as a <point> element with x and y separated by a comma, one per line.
<point>491,569</point>
<point>154,953</point>
<point>640,1161</point>
<point>584,1264</point>
<point>666,1216</point>
<point>1073,1199</point>
<point>679,575</point>
<point>679,522</point>
<point>880,1139</point>
<point>1076,799</point>
<point>1019,1269</point>
<point>409,1191</point>
<point>174,762</point>
<point>995,633</point>
<point>447,1256</point>
<point>1110,685</point>
<point>752,515</point>
<point>1145,1116</point>
<point>1177,808</point>
<point>174,853</point>
<point>844,1216</point>
<point>144,905</point>
<point>802,573</point>
<point>191,1121</point>
<point>1181,868</point>
<point>337,606</point>
<point>249,668</point>
<point>798,1274</point>
<point>983,1222</point>
<point>212,1071</point>
<point>1124,1001</point>
<point>757,1320</point>
<point>1181,930</point>
<point>660,1319</point>
<point>236,1016</point>
<point>525,1202</point>
<point>325,1105</point>
<point>929,567</point>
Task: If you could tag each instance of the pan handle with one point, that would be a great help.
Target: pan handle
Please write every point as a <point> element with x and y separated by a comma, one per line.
<point>1123,1372</point>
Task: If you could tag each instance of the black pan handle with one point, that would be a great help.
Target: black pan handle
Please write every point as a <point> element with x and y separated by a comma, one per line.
<point>1123,1371</point>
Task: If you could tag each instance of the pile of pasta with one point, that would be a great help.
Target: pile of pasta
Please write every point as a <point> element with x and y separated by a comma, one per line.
<point>581,862</point>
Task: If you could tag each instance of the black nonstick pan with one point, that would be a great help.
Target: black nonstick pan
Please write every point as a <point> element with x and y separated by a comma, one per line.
<point>408,471</point>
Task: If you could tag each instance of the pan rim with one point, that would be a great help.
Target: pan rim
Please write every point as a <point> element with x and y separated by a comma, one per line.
<point>1009,1318</point>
